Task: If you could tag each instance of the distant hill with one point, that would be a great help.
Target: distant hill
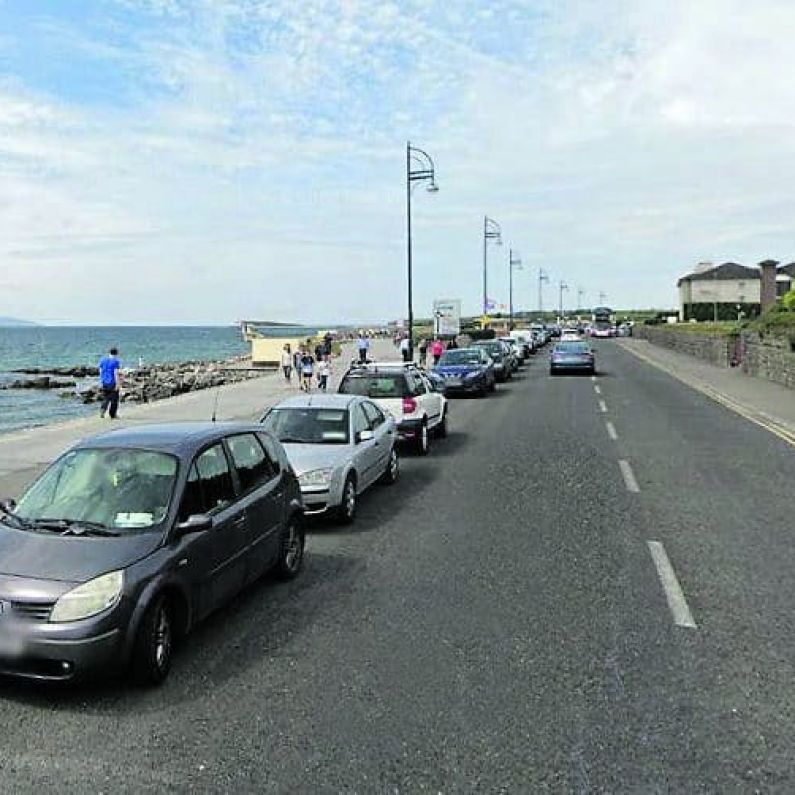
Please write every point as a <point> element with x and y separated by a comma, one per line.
<point>12,321</point>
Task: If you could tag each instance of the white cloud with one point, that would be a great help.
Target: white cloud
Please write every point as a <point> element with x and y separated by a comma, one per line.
<point>258,156</point>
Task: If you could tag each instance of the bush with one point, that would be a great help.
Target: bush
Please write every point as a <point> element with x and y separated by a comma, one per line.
<point>788,301</point>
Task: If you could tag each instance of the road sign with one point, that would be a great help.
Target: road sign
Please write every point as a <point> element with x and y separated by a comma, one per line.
<point>447,316</point>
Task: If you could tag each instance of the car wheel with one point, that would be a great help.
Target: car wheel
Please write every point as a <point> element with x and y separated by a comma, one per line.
<point>493,386</point>
<point>154,644</point>
<point>553,371</point>
<point>421,444</point>
<point>291,552</point>
<point>392,472</point>
<point>441,428</point>
<point>346,513</point>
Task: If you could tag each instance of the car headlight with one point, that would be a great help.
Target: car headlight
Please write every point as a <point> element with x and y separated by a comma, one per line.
<point>90,598</point>
<point>316,477</point>
<point>473,374</point>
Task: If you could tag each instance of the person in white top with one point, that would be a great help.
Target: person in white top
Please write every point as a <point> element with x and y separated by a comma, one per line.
<point>405,349</point>
<point>323,373</point>
<point>287,363</point>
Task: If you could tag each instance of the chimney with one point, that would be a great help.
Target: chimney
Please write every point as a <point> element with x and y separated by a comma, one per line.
<point>768,294</point>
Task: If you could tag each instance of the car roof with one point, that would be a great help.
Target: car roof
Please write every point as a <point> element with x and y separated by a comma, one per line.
<point>378,366</point>
<point>317,401</point>
<point>179,438</point>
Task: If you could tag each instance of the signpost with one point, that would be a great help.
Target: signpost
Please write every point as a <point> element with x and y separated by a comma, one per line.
<point>447,317</point>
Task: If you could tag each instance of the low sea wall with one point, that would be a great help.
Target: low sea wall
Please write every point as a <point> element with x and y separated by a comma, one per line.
<point>769,357</point>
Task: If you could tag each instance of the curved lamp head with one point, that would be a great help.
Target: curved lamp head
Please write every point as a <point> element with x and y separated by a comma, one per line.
<point>433,188</point>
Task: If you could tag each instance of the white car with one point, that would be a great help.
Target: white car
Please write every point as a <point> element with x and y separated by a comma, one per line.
<point>406,392</point>
<point>570,336</point>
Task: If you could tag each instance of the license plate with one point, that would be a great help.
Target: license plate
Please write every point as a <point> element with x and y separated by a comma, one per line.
<point>453,382</point>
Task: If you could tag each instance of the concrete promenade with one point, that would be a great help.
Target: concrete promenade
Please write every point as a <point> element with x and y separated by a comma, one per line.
<point>23,454</point>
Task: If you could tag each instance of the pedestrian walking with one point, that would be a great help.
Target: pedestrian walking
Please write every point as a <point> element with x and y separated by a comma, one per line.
<point>327,341</point>
<point>423,349</point>
<point>307,370</point>
<point>437,349</point>
<point>110,383</point>
<point>319,352</point>
<point>323,373</point>
<point>405,349</point>
<point>363,346</point>
<point>287,363</point>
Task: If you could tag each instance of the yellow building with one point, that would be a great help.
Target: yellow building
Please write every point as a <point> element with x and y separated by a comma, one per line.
<point>268,339</point>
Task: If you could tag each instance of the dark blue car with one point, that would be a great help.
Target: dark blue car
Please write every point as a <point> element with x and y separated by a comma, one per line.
<point>467,370</point>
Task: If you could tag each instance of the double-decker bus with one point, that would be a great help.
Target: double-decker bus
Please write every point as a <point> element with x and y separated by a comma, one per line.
<point>603,322</point>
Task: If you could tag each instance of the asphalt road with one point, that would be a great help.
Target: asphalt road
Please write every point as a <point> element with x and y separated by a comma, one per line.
<point>493,623</point>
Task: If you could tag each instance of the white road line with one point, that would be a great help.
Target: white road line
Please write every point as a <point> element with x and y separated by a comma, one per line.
<point>673,591</point>
<point>629,476</point>
<point>611,431</point>
<point>597,389</point>
<point>603,407</point>
<point>593,378</point>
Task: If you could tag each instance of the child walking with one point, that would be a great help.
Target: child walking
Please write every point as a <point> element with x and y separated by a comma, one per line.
<point>323,373</point>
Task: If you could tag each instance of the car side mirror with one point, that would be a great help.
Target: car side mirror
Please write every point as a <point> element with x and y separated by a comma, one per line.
<point>196,523</point>
<point>8,505</point>
<point>366,436</point>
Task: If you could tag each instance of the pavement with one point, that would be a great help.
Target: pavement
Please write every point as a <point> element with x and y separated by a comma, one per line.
<point>587,587</point>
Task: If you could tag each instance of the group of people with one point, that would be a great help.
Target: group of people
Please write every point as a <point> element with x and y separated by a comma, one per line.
<point>308,364</point>
<point>436,346</point>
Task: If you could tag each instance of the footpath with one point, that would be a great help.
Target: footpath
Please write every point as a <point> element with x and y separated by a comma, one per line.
<point>765,403</point>
<point>23,454</point>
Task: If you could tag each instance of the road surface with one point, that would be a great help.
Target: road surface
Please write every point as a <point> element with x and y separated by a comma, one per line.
<point>587,587</point>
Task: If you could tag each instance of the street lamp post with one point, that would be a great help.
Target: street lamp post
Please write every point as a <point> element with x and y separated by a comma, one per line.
<point>419,168</point>
<point>580,296</point>
<point>513,262</point>
<point>542,277</point>
<point>491,231</point>
<point>563,286</point>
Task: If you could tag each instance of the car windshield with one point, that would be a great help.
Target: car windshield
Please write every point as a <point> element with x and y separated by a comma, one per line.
<point>115,488</point>
<point>375,385</point>
<point>460,356</point>
<point>572,347</point>
<point>494,349</point>
<point>307,425</point>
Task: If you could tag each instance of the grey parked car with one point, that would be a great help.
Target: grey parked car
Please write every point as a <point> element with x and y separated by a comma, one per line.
<point>130,538</point>
<point>338,445</point>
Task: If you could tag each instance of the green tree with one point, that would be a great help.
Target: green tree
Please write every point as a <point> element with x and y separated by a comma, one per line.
<point>789,300</point>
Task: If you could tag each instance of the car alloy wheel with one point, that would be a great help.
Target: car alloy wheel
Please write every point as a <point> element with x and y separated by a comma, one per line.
<point>422,440</point>
<point>347,510</point>
<point>152,652</point>
<point>162,638</point>
<point>291,555</point>
<point>392,468</point>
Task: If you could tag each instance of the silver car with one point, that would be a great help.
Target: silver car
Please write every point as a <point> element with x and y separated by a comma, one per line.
<point>338,445</point>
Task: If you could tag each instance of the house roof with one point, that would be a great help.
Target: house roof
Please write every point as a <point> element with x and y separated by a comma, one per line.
<point>728,271</point>
<point>789,269</point>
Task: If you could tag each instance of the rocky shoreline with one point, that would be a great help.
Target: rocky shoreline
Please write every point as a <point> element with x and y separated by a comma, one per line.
<point>139,385</point>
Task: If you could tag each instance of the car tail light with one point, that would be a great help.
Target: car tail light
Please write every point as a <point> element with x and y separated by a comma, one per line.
<point>409,405</point>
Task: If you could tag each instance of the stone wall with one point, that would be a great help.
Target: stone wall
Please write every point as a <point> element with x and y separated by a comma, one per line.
<point>714,349</point>
<point>771,358</point>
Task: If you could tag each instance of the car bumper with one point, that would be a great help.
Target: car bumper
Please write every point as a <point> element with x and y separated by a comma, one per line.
<point>409,429</point>
<point>34,653</point>
<point>572,366</point>
<point>465,387</point>
<point>318,501</point>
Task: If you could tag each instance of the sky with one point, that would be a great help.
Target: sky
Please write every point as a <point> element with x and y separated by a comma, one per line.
<point>205,161</point>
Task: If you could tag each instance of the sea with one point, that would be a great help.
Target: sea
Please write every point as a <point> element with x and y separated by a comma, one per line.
<point>69,346</point>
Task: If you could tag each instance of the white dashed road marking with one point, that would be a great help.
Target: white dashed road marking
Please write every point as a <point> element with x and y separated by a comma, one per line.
<point>611,431</point>
<point>629,476</point>
<point>673,591</point>
<point>597,389</point>
<point>603,407</point>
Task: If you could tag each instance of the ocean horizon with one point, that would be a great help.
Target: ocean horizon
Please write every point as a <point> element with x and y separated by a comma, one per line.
<point>69,346</point>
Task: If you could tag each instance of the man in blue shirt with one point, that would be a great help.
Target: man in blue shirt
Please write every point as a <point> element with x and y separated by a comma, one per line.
<point>110,383</point>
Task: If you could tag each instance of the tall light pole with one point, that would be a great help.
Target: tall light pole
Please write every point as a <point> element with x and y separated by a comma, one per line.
<point>419,168</point>
<point>513,262</point>
<point>563,286</point>
<point>542,277</point>
<point>602,298</point>
<point>491,231</point>
<point>580,296</point>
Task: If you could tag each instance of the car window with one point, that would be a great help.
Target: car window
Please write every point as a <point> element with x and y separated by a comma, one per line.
<point>374,415</point>
<point>192,498</point>
<point>308,425</point>
<point>252,465</point>
<point>416,385</point>
<point>360,421</point>
<point>218,488</point>
<point>271,449</point>
<point>375,385</point>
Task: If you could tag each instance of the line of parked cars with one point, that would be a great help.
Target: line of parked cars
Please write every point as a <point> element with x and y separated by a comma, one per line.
<point>132,537</point>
